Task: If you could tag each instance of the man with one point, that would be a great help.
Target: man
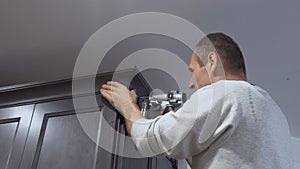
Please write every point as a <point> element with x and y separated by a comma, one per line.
<point>227,123</point>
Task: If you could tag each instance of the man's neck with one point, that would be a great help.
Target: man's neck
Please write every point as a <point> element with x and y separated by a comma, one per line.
<point>229,77</point>
<point>236,77</point>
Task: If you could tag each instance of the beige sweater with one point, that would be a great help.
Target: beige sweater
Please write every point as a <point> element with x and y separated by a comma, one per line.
<point>226,125</point>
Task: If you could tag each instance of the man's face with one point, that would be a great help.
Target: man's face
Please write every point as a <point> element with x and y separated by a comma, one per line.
<point>200,76</point>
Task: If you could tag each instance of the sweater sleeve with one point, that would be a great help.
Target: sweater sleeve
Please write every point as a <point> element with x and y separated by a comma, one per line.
<point>207,119</point>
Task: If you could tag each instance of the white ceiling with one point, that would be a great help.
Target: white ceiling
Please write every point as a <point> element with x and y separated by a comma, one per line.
<point>40,40</point>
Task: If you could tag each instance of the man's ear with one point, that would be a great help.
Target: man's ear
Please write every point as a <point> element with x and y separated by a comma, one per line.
<point>213,61</point>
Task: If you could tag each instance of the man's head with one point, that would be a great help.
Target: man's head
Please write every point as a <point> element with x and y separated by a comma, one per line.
<point>216,57</point>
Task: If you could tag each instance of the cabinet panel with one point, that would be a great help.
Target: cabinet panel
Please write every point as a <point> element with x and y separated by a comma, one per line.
<point>14,125</point>
<point>57,139</point>
<point>65,144</point>
<point>7,133</point>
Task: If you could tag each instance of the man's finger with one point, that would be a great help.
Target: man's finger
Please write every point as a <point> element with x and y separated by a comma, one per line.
<point>106,94</point>
<point>108,87</point>
<point>113,83</point>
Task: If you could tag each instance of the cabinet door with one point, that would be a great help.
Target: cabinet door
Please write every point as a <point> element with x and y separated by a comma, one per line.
<point>14,125</point>
<point>57,140</point>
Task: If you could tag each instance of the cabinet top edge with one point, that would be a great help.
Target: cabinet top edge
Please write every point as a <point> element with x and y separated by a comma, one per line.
<point>22,86</point>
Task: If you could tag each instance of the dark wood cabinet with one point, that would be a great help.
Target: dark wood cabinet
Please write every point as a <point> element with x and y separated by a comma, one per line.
<point>40,128</point>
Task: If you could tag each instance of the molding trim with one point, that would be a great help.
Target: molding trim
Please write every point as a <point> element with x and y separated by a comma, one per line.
<point>38,92</point>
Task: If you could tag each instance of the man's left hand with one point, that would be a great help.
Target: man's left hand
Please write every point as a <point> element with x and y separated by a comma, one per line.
<point>122,99</point>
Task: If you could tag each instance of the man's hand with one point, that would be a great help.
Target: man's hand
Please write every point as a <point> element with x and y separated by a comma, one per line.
<point>123,100</point>
<point>119,96</point>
